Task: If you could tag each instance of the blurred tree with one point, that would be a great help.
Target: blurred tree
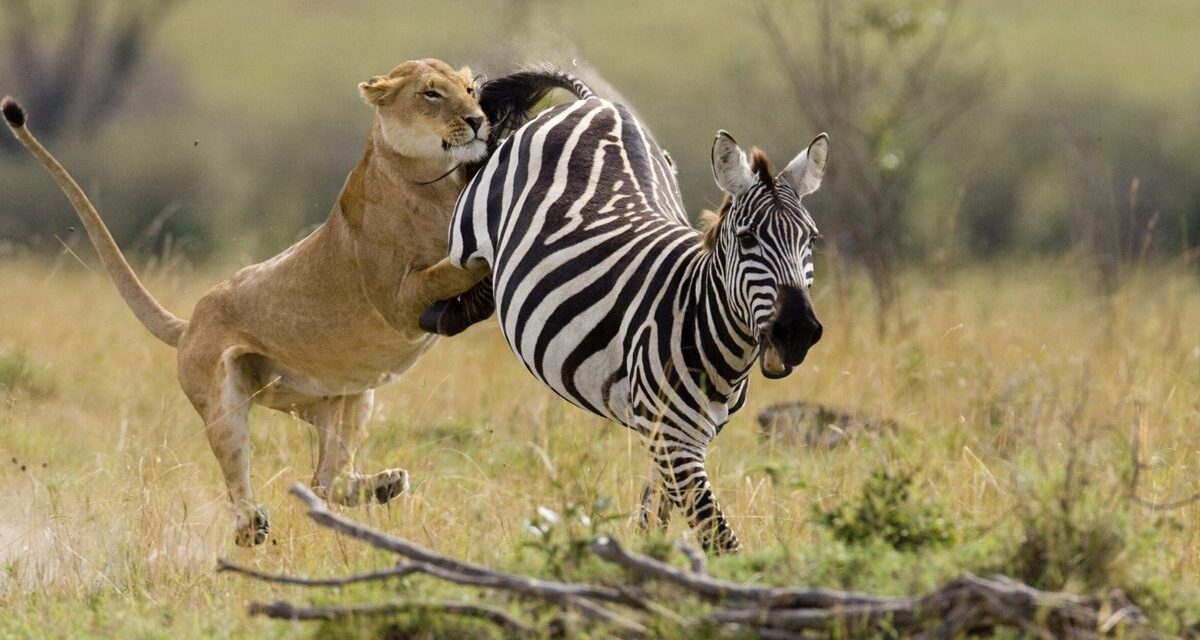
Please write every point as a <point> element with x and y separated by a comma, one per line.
<point>884,78</point>
<point>71,62</point>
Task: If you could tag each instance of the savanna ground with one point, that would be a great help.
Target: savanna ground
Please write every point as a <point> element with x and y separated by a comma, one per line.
<point>1016,388</point>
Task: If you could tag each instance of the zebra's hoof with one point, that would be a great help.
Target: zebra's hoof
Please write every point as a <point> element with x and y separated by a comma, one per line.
<point>430,320</point>
<point>452,317</point>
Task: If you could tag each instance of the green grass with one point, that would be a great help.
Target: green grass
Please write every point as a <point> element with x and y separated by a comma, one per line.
<point>1016,391</point>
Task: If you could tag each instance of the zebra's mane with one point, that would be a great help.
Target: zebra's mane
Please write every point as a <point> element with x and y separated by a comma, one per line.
<point>760,165</point>
<point>710,221</point>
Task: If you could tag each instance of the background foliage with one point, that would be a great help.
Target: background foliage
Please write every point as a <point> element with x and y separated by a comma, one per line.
<point>1025,130</point>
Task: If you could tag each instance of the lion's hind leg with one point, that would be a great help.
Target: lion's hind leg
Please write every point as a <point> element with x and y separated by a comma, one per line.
<point>341,423</point>
<point>223,401</point>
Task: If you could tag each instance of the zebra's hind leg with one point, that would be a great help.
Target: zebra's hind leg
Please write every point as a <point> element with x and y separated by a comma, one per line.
<point>654,500</point>
<point>686,483</point>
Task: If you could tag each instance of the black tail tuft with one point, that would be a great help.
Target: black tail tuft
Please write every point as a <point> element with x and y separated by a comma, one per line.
<point>14,115</point>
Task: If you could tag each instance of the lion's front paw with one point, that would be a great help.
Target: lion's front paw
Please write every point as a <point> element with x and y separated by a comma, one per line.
<point>252,526</point>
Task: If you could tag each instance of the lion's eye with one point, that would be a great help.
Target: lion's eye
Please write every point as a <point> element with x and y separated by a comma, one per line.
<point>470,91</point>
<point>432,95</point>
<point>747,240</point>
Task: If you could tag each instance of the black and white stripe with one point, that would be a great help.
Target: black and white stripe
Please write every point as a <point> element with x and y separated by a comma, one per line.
<point>608,295</point>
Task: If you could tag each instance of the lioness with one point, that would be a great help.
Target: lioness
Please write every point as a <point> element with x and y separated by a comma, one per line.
<point>317,328</point>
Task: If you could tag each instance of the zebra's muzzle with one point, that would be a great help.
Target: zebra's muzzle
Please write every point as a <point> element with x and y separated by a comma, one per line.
<point>790,334</point>
<point>771,363</point>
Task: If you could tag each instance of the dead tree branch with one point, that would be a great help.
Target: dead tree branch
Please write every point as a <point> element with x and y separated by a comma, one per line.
<point>398,572</point>
<point>719,590</point>
<point>967,605</point>
<point>694,557</point>
<point>426,561</point>
<point>288,611</point>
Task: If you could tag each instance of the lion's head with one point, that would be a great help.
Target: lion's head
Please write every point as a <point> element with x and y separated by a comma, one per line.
<point>426,109</point>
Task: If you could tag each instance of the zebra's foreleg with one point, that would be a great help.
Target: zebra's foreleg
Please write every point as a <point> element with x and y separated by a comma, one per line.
<point>686,484</point>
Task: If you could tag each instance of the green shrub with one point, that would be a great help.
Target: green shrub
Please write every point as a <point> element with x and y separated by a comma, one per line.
<point>886,512</point>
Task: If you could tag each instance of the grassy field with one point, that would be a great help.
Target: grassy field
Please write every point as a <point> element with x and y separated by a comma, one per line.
<point>1015,387</point>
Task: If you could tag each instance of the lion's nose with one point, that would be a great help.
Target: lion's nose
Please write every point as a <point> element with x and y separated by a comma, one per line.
<point>474,121</point>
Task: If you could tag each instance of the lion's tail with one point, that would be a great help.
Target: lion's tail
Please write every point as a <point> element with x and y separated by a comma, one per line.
<point>162,323</point>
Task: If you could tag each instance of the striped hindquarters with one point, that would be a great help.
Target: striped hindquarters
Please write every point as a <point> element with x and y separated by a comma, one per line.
<point>579,217</point>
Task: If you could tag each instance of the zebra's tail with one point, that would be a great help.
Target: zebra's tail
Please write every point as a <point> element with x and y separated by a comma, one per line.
<point>509,101</point>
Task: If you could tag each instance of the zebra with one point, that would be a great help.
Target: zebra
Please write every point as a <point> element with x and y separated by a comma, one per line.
<point>610,297</point>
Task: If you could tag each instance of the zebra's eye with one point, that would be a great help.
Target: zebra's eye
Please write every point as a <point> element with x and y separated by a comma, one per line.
<point>815,242</point>
<point>746,240</point>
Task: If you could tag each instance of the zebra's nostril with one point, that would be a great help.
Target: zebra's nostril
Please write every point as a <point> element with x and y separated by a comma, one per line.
<point>817,333</point>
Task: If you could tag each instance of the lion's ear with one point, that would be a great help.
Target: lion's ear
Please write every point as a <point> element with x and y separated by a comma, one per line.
<point>377,91</point>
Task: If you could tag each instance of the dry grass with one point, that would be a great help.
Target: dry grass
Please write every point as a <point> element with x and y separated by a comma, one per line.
<point>1016,390</point>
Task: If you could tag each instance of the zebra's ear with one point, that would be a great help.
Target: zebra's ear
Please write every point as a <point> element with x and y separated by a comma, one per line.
<point>805,171</point>
<point>729,165</point>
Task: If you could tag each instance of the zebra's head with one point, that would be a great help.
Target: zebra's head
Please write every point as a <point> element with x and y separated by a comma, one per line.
<point>763,242</point>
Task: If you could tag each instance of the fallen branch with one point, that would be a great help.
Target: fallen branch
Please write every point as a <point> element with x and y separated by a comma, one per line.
<point>695,558</point>
<point>426,561</point>
<point>967,605</point>
<point>718,590</point>
<point>373,576</point>
<point>287,611</point>
<point>573,596</point>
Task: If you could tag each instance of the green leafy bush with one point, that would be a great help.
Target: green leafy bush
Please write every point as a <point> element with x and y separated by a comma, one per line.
<point>887,512</point>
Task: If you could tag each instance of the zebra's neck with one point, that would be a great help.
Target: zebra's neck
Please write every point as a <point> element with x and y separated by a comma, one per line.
<point>725,345</point>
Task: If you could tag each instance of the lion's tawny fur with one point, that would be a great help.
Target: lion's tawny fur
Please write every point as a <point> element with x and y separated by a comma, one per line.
<point>315,329</point>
